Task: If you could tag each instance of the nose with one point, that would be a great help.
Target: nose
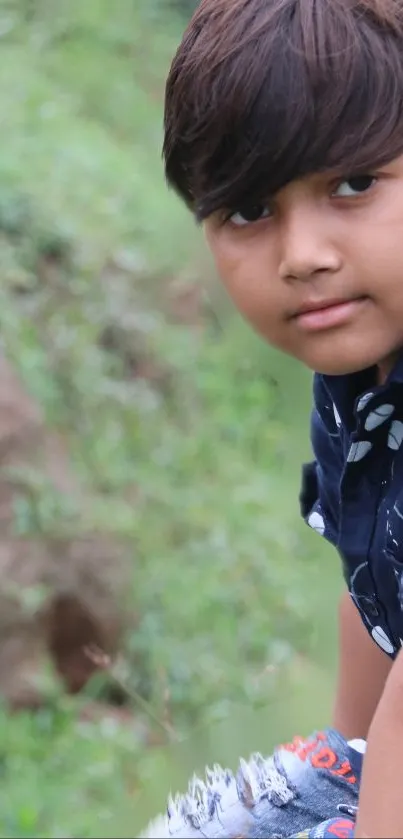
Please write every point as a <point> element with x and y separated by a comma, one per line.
<point>306,248</point>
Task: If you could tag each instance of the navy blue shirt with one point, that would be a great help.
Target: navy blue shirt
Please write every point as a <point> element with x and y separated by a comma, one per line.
<point>352,493</point>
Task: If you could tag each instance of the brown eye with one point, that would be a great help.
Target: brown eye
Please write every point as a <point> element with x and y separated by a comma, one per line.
<point>354,186</point>
<point>249,215</point>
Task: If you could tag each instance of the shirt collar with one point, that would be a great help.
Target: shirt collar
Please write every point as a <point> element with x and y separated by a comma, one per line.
<point>346,390</point>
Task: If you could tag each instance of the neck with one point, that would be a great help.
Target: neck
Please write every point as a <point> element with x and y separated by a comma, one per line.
<point>385,367</point>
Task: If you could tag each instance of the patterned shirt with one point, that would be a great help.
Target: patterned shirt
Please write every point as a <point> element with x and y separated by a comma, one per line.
<point>352,494</point>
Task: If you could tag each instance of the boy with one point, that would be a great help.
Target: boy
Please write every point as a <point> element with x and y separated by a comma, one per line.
<point>284,136</point>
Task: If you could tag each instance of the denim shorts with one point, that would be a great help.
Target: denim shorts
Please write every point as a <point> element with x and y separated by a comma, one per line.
<point>306,788</point>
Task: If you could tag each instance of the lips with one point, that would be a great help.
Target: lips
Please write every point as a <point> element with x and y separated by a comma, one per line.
<point>324,314</point>
<point>319,305</point>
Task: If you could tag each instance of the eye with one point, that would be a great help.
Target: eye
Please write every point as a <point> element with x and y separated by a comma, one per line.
<point>249,215</point>
<point>354,186</point>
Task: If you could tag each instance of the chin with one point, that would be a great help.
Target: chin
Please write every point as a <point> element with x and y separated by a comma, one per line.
<point>337,366</point>
<point>345,352</point>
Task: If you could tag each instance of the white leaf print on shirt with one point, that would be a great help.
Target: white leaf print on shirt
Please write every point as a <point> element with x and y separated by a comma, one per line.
<point>379,416</point>
<point>380,637</point>
<point>358,451</point>
<point>364,401</point>
<point>317,522</point>
<point>395,438</point>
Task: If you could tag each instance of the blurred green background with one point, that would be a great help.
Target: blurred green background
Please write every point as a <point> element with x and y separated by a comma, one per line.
<point>186,432</point>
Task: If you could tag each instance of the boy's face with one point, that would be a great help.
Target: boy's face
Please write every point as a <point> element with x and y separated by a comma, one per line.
<point>318,269</point>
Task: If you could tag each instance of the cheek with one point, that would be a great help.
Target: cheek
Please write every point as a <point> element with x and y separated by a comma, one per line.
<point>248,280</point>
<point>375,247</point>
<point>380,265</point>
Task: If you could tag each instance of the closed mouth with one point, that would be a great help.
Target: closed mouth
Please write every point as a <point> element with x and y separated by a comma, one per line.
<point>320,305</point>
<point>322,315</point>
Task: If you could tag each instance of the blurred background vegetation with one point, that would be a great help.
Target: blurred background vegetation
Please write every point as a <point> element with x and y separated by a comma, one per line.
<point>184,434</point>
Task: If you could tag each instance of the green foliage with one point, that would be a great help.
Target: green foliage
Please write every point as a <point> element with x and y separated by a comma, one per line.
<point>54,784</point>
<point>196,462</point>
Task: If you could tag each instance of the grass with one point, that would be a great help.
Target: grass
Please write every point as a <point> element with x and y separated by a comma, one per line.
<point>197,465</point>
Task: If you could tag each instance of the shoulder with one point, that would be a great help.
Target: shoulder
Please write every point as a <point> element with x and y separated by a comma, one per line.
<point>319,499</point>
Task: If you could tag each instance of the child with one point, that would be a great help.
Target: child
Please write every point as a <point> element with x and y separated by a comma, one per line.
<point>284,137</point>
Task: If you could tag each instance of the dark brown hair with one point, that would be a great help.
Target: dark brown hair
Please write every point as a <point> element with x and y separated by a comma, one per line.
<point>261,92</point>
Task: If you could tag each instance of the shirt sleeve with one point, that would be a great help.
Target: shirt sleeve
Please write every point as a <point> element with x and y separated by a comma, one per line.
<point>320,490</point>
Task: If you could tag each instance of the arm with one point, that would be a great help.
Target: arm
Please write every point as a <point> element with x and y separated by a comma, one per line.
<point>363,666</point>
<point>380,805</point>
<point>362,674</point>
